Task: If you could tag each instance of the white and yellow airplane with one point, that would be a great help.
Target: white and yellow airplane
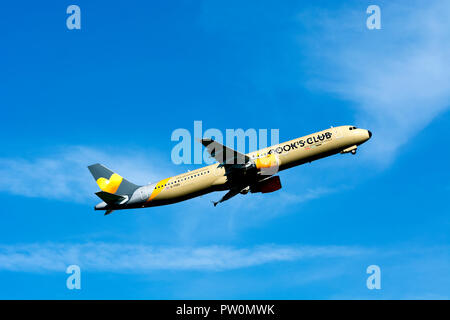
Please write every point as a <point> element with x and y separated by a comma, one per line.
<point>234,171</point>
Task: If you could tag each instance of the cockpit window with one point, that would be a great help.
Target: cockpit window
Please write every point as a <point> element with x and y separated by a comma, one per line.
<point>351,128</point>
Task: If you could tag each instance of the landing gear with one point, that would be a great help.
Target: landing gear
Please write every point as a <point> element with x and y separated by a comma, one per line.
<point>351,149</point>
<point>231,193</point>
<point>245,190</point>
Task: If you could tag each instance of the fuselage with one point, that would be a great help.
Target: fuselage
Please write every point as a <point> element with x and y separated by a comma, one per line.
<point>215,178</point>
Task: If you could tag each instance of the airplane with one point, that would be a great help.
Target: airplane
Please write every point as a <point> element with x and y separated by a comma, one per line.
<point>234,172</point>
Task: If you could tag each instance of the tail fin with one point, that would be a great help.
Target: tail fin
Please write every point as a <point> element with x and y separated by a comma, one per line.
<point>111,182</point>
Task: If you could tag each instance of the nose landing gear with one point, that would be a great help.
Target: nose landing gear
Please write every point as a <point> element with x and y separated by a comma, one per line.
<point>351,149</point>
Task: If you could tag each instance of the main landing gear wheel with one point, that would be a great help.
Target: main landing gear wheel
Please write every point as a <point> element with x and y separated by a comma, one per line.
<point>354,151</point>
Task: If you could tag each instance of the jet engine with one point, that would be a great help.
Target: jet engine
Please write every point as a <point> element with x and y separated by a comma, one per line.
<point>268,185</point>
<point>268,165</point>
<point>268,161</point>
<point>253,170</point>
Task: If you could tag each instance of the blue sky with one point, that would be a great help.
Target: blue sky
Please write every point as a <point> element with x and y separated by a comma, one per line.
<point>114,91</point>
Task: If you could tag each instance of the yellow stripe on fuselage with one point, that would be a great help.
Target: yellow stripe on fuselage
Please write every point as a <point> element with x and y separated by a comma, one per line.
<point>158,188</point>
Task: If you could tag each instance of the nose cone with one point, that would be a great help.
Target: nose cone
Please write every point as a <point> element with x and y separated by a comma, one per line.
<point>370,134</point>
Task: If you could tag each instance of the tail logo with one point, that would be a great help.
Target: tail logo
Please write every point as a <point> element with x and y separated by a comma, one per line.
<point>110,185</point>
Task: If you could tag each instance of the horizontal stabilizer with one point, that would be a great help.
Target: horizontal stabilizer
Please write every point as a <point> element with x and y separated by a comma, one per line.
<point>110,198</point>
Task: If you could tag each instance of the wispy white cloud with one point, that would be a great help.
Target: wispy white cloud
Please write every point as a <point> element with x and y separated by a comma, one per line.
<point>243,211</point>
<point>307,195</point>
<point>396,78</point>
<point>142,258</point>
<point>64,174</point>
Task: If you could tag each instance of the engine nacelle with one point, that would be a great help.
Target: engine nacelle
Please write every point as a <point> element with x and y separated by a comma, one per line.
<point>268,165</point>
<point>269,185</point>
<point>254,170</point>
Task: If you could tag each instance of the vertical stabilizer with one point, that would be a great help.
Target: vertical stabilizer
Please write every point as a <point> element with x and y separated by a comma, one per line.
<point>111,182</point>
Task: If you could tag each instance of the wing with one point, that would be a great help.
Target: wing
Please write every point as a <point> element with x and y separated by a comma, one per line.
<point>223,154</point>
